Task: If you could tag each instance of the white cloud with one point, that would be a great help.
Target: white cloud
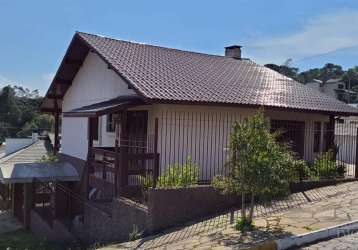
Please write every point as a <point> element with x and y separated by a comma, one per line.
<point>321,35</point>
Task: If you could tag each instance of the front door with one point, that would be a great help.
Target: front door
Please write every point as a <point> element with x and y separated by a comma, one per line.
<point>137,122</point>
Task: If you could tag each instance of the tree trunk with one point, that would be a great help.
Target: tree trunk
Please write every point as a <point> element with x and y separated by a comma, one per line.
<point>243,209</point>
<point>252,205</point>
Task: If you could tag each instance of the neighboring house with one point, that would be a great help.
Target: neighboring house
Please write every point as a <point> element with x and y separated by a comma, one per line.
<point>129,109</point>
<point>335,88</point>
<point>14,144</point>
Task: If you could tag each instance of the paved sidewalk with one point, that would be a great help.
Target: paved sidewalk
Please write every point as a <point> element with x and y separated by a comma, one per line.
<point>299,213</point>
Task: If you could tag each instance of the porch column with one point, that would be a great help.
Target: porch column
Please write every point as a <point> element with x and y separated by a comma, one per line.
<point>28,203</point>
<point>57,141</point>
<point>90,157</point>
<point>117,157</point>
<point>123,164</point>
<point>331,128</point>
<point>18,201</point>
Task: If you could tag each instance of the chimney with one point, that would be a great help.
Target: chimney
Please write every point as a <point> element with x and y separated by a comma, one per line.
<point>233,51</point>
<point>35,137</point>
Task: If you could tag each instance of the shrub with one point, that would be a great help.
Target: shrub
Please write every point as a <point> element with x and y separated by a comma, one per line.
<point>146,183</point>
<point>325,166</point>
<point>243,225</point>
<point>302,170</point>
<point>49,158</point>
<point>180,175</point>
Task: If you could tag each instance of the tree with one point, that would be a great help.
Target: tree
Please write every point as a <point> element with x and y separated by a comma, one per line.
<point>309,75</point>
<point>19,112</point>
<point>285,69</point>
<point>258,165</point>
<point>330,71</point>
<point>9,111</point>
<point>351,77</point>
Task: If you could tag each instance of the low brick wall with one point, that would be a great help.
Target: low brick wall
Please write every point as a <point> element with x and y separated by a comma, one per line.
<point>171,206</point>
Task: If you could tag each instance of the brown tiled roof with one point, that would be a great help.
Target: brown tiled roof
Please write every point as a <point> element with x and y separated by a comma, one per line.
<point>171,75</point>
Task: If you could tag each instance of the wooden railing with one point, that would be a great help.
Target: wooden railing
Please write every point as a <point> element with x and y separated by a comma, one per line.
<point>106,168</point>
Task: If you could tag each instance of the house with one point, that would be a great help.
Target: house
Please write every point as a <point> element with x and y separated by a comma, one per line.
<point>335,88</point>
<point>129,110</point>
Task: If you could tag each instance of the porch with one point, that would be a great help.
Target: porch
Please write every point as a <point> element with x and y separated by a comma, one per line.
<point>119,167</point>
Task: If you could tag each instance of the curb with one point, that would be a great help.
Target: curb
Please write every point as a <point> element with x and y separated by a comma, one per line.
<point>307,238</point>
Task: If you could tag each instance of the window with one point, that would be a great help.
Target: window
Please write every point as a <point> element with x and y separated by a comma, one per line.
<point>111,124</point>
<point>317,137</point>
<point>340,86</point>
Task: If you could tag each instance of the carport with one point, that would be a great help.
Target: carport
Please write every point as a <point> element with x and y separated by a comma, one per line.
<point>24,177</point>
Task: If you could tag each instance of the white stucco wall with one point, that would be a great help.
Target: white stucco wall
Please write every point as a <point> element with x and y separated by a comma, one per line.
<point>93,83</point>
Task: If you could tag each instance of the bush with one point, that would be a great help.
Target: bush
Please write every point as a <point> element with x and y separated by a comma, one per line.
<point>243,225</point>
<point>49,158</point>
<point>146,183</point>
<point>302,170</point>
<point>178,175</point>
<point>325,166</point>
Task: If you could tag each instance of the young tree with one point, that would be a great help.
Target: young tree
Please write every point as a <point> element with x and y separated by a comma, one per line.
<point>258,165</point>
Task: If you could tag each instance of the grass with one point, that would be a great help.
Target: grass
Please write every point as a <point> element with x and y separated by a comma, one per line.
<point>25,240</point>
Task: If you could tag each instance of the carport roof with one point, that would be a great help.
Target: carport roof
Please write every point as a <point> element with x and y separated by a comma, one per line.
<point>24,166</point>
<point>31,172</point>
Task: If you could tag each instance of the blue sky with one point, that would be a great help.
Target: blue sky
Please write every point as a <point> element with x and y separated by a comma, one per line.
<point>35,34</point>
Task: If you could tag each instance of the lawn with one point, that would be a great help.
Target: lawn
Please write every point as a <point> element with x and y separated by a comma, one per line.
<point>23,239</point>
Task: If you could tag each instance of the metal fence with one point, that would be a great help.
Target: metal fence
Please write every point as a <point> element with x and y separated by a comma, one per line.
<point>195,148</point>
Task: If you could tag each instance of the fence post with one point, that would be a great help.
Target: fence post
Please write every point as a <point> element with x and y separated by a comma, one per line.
<point>156,155</point>
<point>356,166</point>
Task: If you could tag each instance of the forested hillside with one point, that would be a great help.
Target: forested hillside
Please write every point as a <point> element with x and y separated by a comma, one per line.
<point>328,71</point>
<point>19,113</point>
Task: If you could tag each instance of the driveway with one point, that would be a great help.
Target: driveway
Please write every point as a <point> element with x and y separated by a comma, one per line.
<point>299,213</point>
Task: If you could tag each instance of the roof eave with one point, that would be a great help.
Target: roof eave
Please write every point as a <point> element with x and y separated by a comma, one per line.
<point>300,110</point>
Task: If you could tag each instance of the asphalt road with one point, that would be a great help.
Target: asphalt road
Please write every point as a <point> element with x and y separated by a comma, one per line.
<point>348,241</point>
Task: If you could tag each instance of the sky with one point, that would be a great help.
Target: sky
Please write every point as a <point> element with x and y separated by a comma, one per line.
<point>34,35</point>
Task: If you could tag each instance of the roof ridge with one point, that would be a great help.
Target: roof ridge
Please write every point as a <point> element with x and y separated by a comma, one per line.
<point>156,46</point>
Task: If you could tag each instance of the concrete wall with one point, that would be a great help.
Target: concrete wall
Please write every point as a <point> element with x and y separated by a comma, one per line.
<point>171,206</point>
<point>100,227</point>
<point>57,232</point>
<point>93,83</point>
